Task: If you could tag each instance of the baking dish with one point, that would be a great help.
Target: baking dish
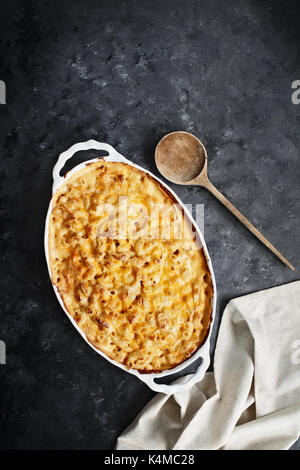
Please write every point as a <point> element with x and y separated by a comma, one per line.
<point>203,351</point>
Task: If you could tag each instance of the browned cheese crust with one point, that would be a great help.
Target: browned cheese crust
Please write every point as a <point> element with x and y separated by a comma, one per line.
<point>144,297</point>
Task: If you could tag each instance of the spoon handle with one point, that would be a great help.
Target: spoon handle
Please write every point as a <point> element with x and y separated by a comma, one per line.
<point>208,185</point>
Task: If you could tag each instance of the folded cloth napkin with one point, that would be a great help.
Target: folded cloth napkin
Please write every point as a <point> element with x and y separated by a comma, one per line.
<point>252,400</point>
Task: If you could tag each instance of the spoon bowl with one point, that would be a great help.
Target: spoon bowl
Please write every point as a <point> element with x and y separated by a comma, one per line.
<point>181,158</point>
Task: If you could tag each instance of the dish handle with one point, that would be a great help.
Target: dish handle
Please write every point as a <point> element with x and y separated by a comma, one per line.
<point>176,387</point>
<point>88,145</point>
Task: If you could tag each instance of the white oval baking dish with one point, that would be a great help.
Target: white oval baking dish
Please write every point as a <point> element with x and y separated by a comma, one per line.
<point>203,351</point>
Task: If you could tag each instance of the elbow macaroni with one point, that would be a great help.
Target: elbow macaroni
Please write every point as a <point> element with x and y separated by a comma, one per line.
<point>145,302</point>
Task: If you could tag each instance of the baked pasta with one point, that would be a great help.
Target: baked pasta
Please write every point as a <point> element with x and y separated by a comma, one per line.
<point>128,266</point>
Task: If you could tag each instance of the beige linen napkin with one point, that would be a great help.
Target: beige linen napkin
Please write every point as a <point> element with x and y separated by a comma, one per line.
<point>252,400</point>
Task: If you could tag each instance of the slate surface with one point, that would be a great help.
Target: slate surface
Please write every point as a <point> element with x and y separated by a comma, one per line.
<point>127,73</point>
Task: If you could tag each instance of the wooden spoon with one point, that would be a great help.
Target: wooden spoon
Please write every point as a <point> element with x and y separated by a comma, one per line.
<point>181,158</point>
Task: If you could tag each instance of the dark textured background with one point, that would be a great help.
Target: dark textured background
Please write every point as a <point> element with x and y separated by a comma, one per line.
<point>127,72</point>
